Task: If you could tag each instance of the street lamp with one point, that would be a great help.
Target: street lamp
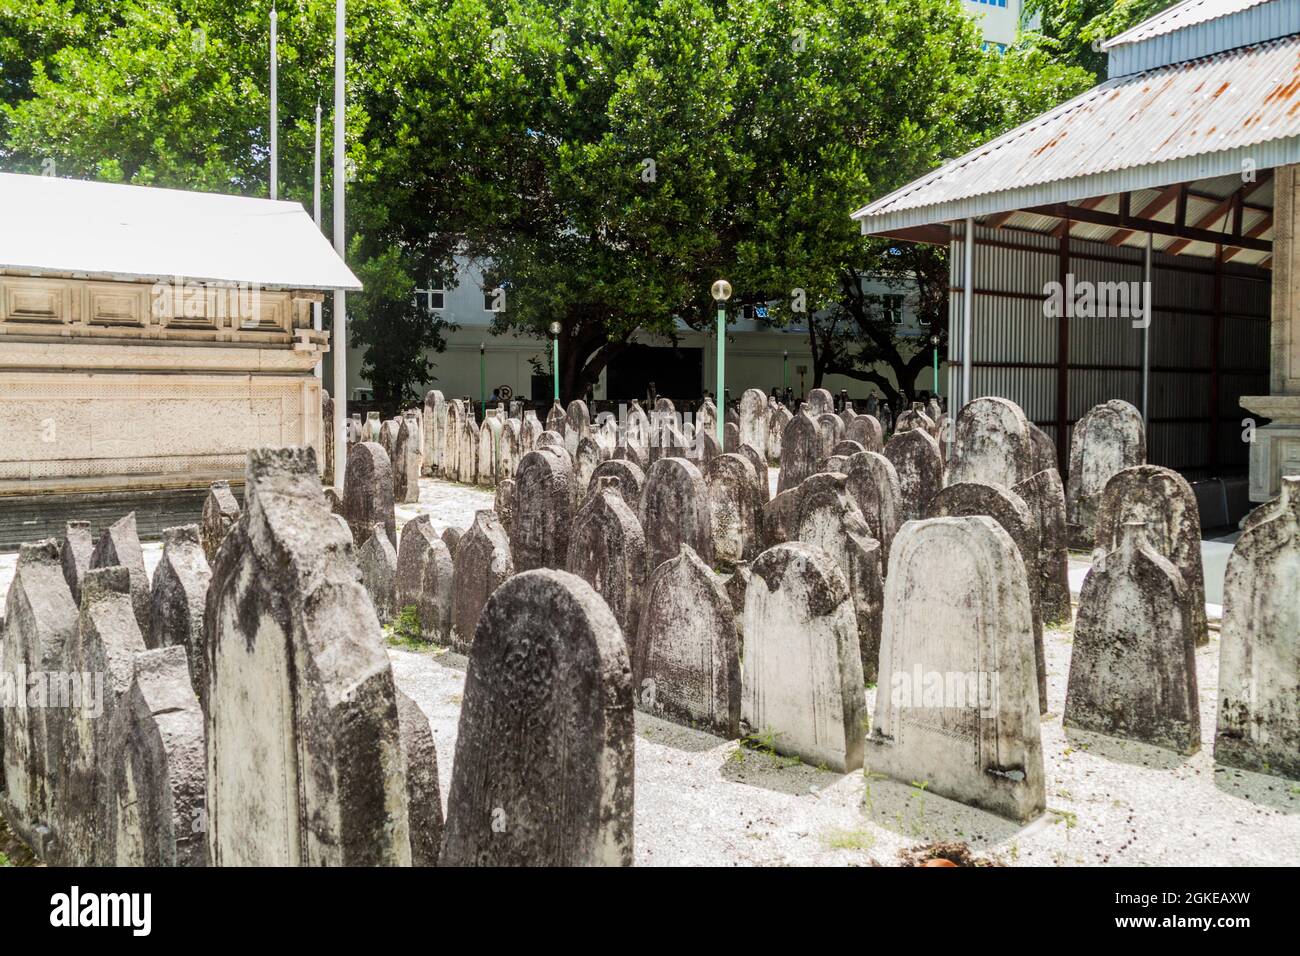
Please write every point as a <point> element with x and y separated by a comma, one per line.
<point>555,357</point>
<point>721,293</point>
<point>934,344</point>
<point>482,378</point>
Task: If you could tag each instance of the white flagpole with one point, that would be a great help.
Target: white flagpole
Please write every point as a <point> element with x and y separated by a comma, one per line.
<point>275,109</point>
<point>315,195</point>
<point>340,337</point>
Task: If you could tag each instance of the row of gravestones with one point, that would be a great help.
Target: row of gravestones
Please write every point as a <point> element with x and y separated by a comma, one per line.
<point>402,439</point>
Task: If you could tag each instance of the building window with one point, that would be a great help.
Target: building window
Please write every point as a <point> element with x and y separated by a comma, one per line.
<point>893,306</point>
<point>992,3</point>
<point>433,300</point>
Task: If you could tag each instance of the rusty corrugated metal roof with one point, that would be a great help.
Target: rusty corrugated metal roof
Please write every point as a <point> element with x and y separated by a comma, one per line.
<point>1190,121</point>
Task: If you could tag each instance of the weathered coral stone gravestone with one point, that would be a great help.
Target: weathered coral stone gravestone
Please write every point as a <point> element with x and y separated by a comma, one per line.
<point>106,643</point>
<point>577,425</point>
<point>588,458</point>
<point>504,503</point>
<point>76,550</point>
<point>304,763</point>
<point>482,563</point>
<point>992,444</point>
<point>820,402</point>
<point>631,480</point>
<point>1161,499</point>
<point>1108,439</point>
<point>424,574</point>
<point>423,797</point>
<point>733,508</point>
<point>1259,654</point>
<point>155,787</point>
<point>119,546</point>
<point>543,771</point>
<point>368,492</point>
<point>607,550</point>
<point>1133,666</point>
<point>969,498</point>
<point>544,500</point>
<point>433,422</point>
<point>777,421</point>
<point>1044,449</point>
<point>675,510</point>
<point>40,621</point>
<point>753,418</point>
<point>685,659</point>
<point>916,460</point>
<point>802,677</point>
<point>489,449</point>
<point>467,455</point>
<point>801,449</point>
<point>377,561</point>
<point>180,589</point>
<point>406,461</point>
<point>452,426</point>
<point>529,431</point>
<point>556,419</point>
<point>872,483</point>
<point>958,701</point>
<point>1045,496</point>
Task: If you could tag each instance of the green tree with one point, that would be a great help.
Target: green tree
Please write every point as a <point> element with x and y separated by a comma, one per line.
<point>1071,31</point>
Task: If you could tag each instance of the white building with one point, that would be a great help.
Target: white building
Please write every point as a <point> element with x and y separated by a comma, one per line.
<point>1000,19</point>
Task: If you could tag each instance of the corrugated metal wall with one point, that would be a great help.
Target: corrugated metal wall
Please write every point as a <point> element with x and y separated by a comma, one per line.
<point>1016,344</point>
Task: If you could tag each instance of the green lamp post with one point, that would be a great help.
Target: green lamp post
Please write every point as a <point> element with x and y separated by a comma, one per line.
<point>555,357</point>
<point>482,377</point>
<point>721,293</point>
<point>934,344</point>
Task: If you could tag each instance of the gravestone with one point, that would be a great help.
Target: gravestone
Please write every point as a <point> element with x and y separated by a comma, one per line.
<point>155,786</point>
<point>543,769</point>
<point>388,439</point>
<point>368,493</point>
<point>753,418</point>
<point>529,431</point>
<point>482,564</point>
<point>300,691</point>
<point>423,796</point>
<point>551,439</point>
<point>588,458</point>
<point>467,454</point>
<point>489,450</point>
<point>220,512</point>
<point>451,536</point>
<point>406,462</point>
<point>1259,654</point>
<point>1044,449</point>
<point>557,419</point>
<point>1133,664</point>
<point>776,424</point>
<point>958,700</point>
<point>577,424</point>
<point>452,427</point>
<point>510,450</point>
<point>915,457</point>
<point>801,449</point>
<point>736,586</point>
<point>119,546</point>
<point>432,422</point>
<point>372,427</point>
<point>76,551</point>
<point>847,448</point>
<point>685,662</point>
<point>377,561</point>
<point>820,402</point>
<point>423,579</point>
<point>706,418</point>
<point>730,438</point>
<point>992,444</point>
<point>607,550</point>
<point>914,418</point>
<point>1108,439</point>
<point>971,498</point>
<point>781,516</point>
<point>674,511</point>
<point>39,623</point>
<point>831,429</point>
<point>1162,500</point>
<point>327,433</point>
<point>504,503</point>
<point>177,599</point>
<point>544,501</point>
<point>802,679</point>
<point>631,480</point>
<point>762,490</point>
<point>1045,496</point>
<point>733,508</point>
<point>872,483</point>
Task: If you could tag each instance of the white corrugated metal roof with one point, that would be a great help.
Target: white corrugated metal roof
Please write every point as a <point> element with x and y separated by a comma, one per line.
<point>1181,123</point>
<point>57,226</point>
<point>1199,28</point>
<point>1179,17</point>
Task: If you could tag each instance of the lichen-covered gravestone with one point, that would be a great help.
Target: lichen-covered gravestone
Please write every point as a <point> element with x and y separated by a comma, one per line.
<point>802,680</point>
<point>1106,440</point>
<point>368,493</point>
<point>424,573</point>
<point>801,449</point>
<point>916,460</point>
<point>779,418</point>
<point>685,659</point>
<point>577,424</point>
<point>753,418</point>
<point>467,450</point>
<point>1259,653</point>
<point>675,510</point>
<point>1045,496</point>
<point>872,483</point>
<point>1133,665</point>
<point>377,561</point>
<point>733,508</point>
<point>504,502</point>
<point>406,461</point>
<point>423,797</point>
<point>481,565</point>
<point>543,771</point>
<point>489,449</point>
<point>631,480</point>
<point>589,455</point>
<point>304,763</point>
<point>155,787</point>
<point>1161,499</point>
<point>958,706</point>
<point>220,512</point>
<point>529,431</point>
<point>1044,449</point>
<point>992,444</point>
<point>820,402</point>
<point>40,621</point>
<point>76,550</point>
<point>119,546</point>
<point>866,431</point>
<point>544,501</point>
<point>432,422</point>
<point>180,590</point>
<point>607,550</point>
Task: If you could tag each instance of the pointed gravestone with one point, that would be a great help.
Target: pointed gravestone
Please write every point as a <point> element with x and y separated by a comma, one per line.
<point>435,409</point>
<point>530,429</point>
<point>557,419</point>
<point>1045,496</point>
<point>1259,655</point>
<point>511,450</point>
<point>1108,439</point>
<point>40,620</point>
<point>423,581</point>
<point>1162,500</point>
<point>467,451</point>
<point>607,550</point>
<point>155,788</point>
<point>406,462</point>
<point>377,560</point>
<point>388,436</point>
<point>368,492</point>
<point>753,418</point>
<point>504,503</point>
<point>220,512</point>
<point>423,796</point>
<point>119,546</point>
<point>992,444</point>
<point>543,509</point>
<point>631,480</point>
<point>915,457</point>
<point>455,422</point>
<point>481,565</point>
<point>762,489</point>
<point>957,706</point>
<point>577,424</point>
<point>733,508</point>
<point>802,681</point>
<point>77,548</point>
<point>872,483</point>
<point>685,662</point>
<point>180,591</point>
<point>585,462</point>
<point>303,751</point>
<point>777,420</point>
<point>915,417</point>
<point>489,450</point>
<point>675,510</point>
<point>1044,449</point>
<point>543,769</point>
<point>1133,664</point>
<point>801,450</point>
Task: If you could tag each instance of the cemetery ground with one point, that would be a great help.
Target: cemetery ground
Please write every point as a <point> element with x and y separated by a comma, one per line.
<point>702,800</point>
